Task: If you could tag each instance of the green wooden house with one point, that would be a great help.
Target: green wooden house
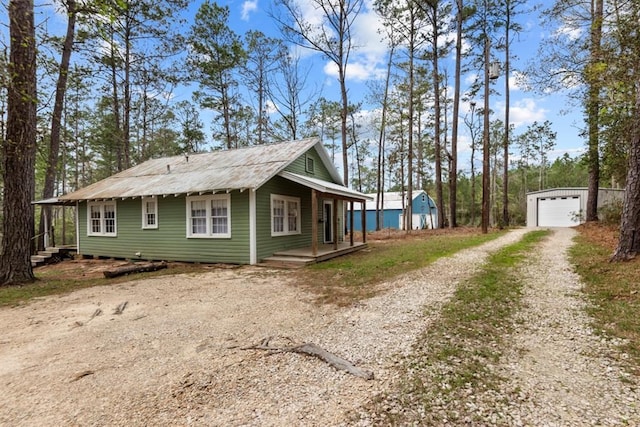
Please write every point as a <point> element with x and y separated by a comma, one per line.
<point>239,206</point>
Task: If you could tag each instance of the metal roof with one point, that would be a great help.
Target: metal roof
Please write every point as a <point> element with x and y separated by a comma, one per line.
<point>218,171</point>
<point>324,186</point>
<point>393,200</point>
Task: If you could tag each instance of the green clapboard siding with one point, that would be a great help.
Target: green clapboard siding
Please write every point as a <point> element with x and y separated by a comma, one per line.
<point>320,170</point>
<point>169,241</point>
<point>266,244</point>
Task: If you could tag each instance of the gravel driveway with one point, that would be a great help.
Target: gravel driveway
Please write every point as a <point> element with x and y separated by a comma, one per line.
<point>175,355</point>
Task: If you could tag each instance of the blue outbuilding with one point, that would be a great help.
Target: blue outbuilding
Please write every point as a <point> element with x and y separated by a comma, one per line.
<point>425,213</point>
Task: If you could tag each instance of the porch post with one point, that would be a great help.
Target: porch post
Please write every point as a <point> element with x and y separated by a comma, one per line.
<point>314,222</point>
<point>77,227</point>
<point>335,224</point>
<point>45,212</point>
<point>351,222</point>
<point>364,221</point>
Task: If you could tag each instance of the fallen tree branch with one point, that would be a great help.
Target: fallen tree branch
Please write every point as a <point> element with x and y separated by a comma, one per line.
<point>82,374</point>
<point>311,349</point>
<point>135,268</point>
<point>120,308</point>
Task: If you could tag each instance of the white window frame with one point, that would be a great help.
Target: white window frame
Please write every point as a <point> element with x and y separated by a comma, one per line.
<point>102,221</point>
<point>286,229</point>
<point>145,213</point>
<point>208,234</point>
<point>309,165</point>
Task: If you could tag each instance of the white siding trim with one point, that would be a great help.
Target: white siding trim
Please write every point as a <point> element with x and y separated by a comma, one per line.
<point>253,244</point>
<point>78,226</point>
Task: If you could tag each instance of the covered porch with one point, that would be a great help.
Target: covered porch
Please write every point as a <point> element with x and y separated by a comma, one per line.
<point>320,249</point>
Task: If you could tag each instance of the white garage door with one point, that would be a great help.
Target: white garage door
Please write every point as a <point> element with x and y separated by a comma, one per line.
<point>558,211</point>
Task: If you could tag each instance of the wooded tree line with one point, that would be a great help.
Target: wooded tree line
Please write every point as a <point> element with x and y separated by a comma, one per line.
<point>111,94</point>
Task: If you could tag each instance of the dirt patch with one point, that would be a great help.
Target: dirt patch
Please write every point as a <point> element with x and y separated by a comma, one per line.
<point>91,269</point>
<point>170,350</point>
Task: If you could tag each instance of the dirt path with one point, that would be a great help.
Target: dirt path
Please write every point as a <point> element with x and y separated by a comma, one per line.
<point>174,356</point>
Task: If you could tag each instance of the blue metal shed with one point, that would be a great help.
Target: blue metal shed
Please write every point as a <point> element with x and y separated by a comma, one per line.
<point>425,214</point>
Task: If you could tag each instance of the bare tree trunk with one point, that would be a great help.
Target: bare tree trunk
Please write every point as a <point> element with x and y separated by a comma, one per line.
<point>381,139</point>
<point>507,96</point>
<point>343,126</point>
<point>116,105</point>
<point>593,112</point>
<point>629,241</point>
<point>56,119</point>
<point>126,117</point>
<point>438,113</point>
<point>412,53</point>
<point>453,172</point>
<point>19,147</point>
<point>486,191</point>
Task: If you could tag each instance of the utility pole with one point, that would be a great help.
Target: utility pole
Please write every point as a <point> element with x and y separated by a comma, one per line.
<point>485,140</point>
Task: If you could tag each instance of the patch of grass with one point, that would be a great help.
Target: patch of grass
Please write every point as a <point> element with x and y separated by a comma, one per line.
<point>354,277</point>
<point>50,283</point>
<point>454,357</point>
<point>613,288</point>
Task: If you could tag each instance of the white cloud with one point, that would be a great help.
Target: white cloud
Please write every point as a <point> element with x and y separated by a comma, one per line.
<point>247,7</point>
<point>570,31</point>
<point>522,112</point>
<point>360,70</point>
<point>369,53</point>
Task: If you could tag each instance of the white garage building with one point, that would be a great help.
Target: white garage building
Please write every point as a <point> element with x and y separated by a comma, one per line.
<point>564,207</point>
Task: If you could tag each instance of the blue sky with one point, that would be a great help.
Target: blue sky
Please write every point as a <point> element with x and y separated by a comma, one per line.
<point>368,63</point>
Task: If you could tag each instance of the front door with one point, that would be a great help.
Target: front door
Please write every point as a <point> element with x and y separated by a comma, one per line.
<point>327,212</point>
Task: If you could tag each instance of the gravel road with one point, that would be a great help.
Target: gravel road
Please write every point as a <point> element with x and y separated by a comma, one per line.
<point>176,355</point>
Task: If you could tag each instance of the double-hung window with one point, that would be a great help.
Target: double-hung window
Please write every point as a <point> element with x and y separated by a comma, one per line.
<point>209,216</point>
<point>149,212</point>
<point>101,219</point>
<point>285,215</point>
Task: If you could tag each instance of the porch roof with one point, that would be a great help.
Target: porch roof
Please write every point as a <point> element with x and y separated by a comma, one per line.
<point>325,187</point>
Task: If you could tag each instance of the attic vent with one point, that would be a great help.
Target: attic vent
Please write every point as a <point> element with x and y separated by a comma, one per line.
<point>310,166</point>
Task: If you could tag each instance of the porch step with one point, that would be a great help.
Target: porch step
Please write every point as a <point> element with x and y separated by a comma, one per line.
<point>287,261</point>
<point>51,255</point>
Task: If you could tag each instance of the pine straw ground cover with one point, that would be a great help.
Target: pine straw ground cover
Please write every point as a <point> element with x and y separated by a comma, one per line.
<point>613,288</point>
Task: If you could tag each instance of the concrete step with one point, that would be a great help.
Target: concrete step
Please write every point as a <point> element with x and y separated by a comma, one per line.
<point>49,255</point>
<point>287,261</point>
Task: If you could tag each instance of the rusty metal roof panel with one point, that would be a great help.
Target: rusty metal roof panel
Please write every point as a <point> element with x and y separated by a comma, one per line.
<point>245,168</point>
